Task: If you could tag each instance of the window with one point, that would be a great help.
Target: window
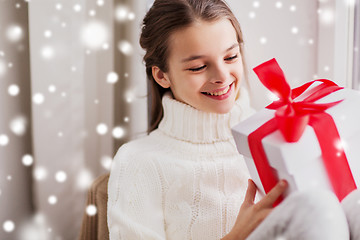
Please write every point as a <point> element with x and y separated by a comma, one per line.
<point>356,51</point>
<point>347,37</point>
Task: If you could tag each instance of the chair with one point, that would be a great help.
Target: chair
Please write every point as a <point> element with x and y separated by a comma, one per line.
<point>95,227</point>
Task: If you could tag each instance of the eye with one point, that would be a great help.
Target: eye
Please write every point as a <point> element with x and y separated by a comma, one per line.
<point>231,58</point>
<point>197,69</point>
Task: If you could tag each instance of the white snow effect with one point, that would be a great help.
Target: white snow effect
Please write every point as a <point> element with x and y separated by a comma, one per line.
<point>122,13</point>
<point>92,13</point>
<point>263,40</point>
<point>47,34</point>
<point>101,128</point>
<point>118,132</point>
<point>327,16</point>
<point>106,162</point>
<point>280,237</point>
<point>77,7</point>
<point>295,30</point>
<point>14,33</point>
<point>105,46</point>
<point>252,15</point>
<point>272,97</point>
<point>125,47</point>
<point>47,52</point>
<point>129,96</point>
<point>112,77</point>
<point>52,199</point>
<point>4,140</point>
<point>13,90</point>
<point>341,145</point>
<point>38,98</point>
<point>61,176</point>
<point>34,228</point>
<point>40,173</point>
<point>91,210</point>
<point>58,6</point>
<point>84,179</point>
<point>18,125</point>
<point>94,34</point>
<point>131,16</point>
<point>8,226</point>
<point>278,4</point>
<point>52,88</point>
<point>27,160</point>
<point>100,2</point>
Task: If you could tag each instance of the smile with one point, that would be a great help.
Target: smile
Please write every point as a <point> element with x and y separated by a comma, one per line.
<point>220,94</point>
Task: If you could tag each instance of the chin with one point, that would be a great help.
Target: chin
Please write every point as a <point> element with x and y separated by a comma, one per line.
<point>223,110</point>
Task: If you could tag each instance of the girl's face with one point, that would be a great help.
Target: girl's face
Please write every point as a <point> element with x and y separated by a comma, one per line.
<point>205,66</point>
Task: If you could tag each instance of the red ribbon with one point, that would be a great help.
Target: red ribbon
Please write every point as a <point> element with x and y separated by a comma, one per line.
<point>291,118</point>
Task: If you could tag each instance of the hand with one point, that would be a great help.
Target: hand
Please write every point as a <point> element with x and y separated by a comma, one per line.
<point>251,214</point>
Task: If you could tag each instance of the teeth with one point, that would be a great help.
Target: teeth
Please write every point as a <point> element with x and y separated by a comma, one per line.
<point>219,93</point>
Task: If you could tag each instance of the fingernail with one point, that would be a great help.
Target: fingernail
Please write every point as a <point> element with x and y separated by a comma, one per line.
<point>283,183</point>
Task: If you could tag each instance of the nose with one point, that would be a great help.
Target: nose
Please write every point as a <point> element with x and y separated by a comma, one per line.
<point>219,74</point>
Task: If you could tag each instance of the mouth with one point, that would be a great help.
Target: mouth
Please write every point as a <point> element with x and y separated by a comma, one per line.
<point>220,94</point>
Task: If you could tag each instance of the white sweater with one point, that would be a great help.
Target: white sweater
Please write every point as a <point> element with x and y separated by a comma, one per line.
<point>185,180</point>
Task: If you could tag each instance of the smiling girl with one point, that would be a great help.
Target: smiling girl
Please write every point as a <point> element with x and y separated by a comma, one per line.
<point>186,180</point>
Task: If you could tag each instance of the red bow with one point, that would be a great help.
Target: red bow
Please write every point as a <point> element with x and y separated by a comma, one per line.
<point>291,118</point>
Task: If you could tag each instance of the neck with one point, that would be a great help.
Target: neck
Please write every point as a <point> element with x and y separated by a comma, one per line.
<point>186,123</point>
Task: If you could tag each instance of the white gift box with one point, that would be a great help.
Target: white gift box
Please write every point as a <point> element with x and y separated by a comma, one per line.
<point>300,163</point>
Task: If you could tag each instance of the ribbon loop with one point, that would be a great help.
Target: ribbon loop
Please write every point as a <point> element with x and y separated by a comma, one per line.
<point>272,77</point>
<point>292,117</point>
<point>292,123</point>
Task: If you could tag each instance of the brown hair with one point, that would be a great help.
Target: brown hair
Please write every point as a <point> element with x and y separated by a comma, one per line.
<point>166,17</point>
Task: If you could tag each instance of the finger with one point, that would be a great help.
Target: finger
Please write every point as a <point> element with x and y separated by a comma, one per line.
<point>250,192</point>
<point>274,194</point>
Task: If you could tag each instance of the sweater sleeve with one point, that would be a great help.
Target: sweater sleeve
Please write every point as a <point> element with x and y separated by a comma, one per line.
<point>134,198</point>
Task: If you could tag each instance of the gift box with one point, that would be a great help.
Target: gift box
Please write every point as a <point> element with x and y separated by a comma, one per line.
<point>309,137</point>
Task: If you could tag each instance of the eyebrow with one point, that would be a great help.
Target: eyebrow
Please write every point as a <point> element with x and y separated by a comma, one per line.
<point>191,58</point>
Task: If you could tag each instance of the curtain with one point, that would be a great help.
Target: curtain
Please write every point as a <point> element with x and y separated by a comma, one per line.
<point>72,91</point>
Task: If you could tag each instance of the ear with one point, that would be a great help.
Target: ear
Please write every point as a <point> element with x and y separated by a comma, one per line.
<point>160,77</point>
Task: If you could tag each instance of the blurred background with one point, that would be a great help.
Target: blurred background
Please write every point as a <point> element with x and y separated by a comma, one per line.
<point>73,89</point>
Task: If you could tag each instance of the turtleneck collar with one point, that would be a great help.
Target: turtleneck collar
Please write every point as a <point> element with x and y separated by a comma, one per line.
<point>186,123</point>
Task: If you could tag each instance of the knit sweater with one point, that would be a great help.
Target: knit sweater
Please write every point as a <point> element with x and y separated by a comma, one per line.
<point>185,180</point>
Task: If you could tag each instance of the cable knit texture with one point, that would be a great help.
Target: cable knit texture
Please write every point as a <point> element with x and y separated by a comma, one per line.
<point>185,180</point>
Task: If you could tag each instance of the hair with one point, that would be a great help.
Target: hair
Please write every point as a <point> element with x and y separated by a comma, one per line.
<point>164,18</point>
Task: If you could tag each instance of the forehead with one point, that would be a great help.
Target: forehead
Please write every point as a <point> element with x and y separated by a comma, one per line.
<point>202,37</point>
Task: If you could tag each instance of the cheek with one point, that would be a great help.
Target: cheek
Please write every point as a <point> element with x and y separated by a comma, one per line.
<point>193,83</point>
<point>237,71</point>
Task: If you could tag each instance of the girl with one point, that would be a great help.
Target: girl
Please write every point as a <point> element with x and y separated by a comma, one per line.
<point>186,180</point>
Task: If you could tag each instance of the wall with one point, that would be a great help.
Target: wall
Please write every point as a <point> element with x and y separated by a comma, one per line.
<point>298,33</point>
